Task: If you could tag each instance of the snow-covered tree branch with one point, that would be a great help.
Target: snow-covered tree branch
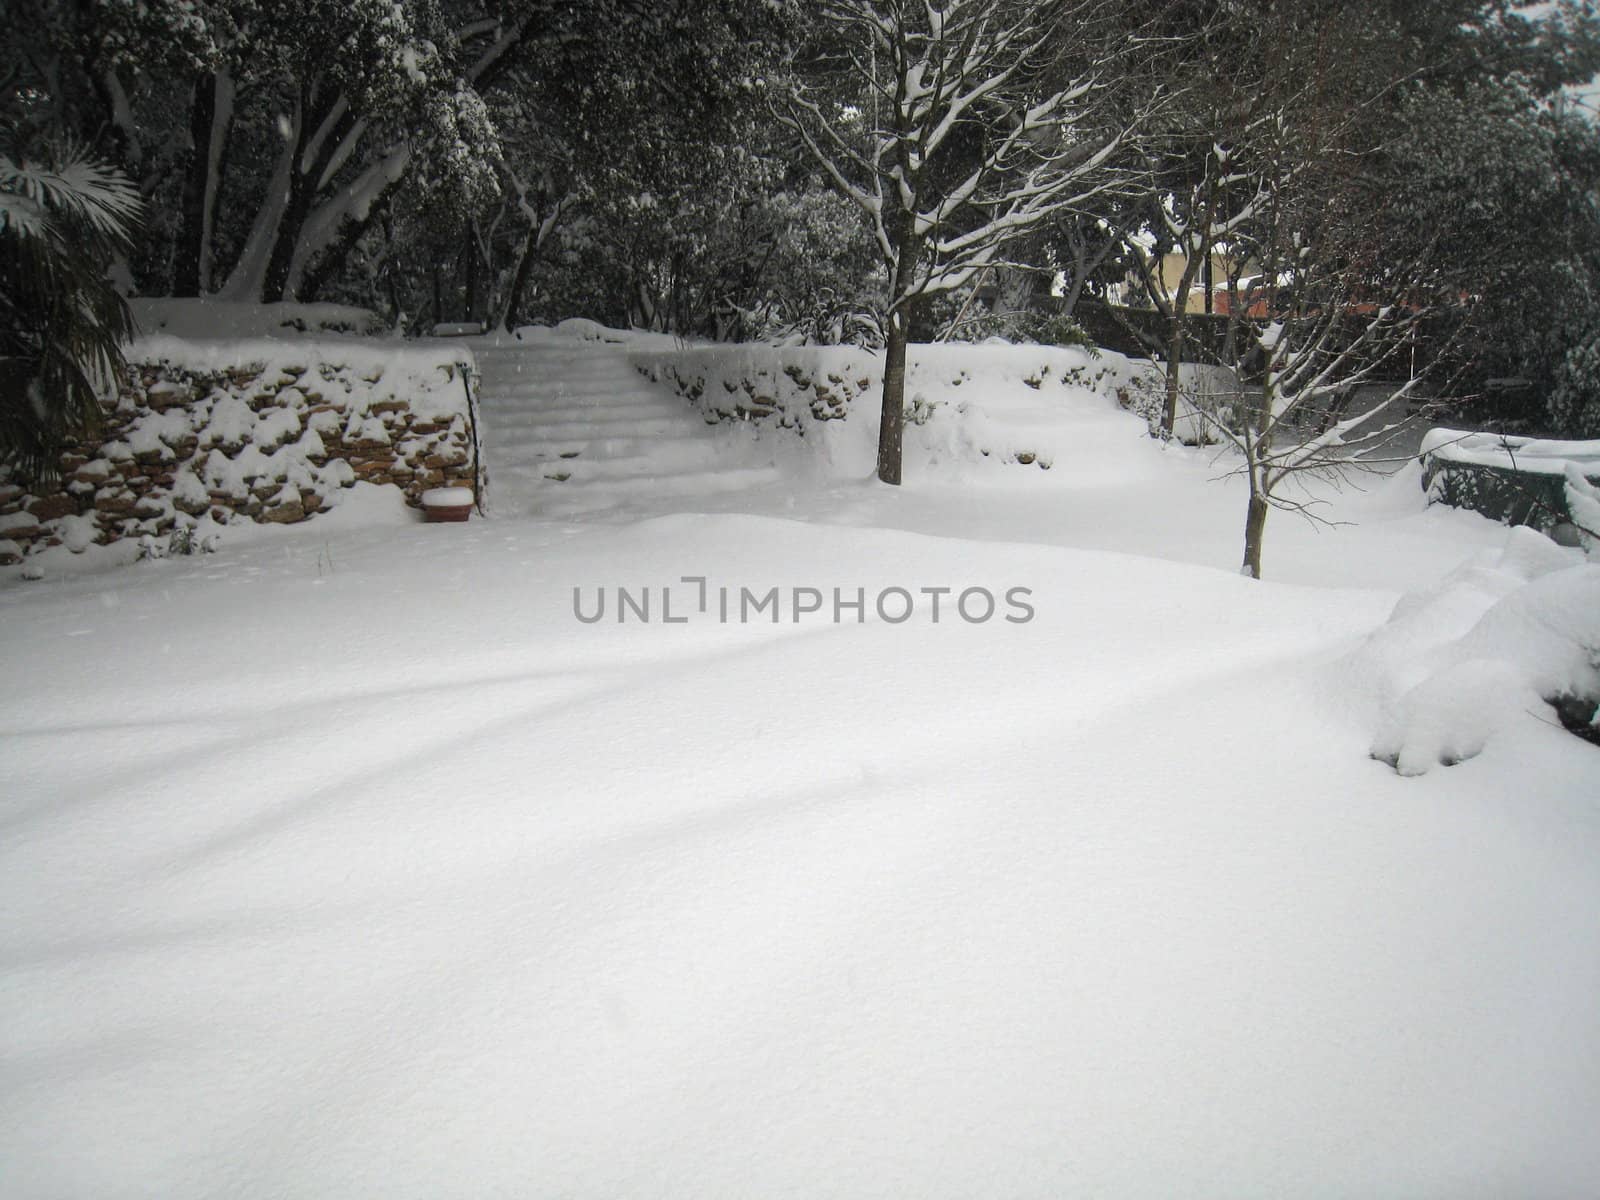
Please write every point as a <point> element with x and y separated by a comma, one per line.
<point>956,128</point>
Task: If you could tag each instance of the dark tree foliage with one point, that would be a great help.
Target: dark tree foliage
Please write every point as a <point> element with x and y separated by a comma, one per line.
<point>506,160</point>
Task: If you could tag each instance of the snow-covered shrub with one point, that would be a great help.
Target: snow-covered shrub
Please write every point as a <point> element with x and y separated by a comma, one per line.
<point>1026,325</point>
<point>1144,395</point>
<point>920,410</point>
<point>1051,329</point>
<point>1511,636</point>
<point>1206,393</point>
<point>185,539</point>
<point>832,323</point>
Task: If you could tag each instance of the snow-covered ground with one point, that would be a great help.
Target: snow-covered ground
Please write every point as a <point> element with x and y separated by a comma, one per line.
<point>349,861</point>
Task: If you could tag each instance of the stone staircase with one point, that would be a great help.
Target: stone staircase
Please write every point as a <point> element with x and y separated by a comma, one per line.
<point>570,426</point>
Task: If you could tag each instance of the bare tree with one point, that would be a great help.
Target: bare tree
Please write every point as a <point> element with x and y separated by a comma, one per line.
<point>955,127</point>
<point>1081,247</point>
<point>1303,420</point>
<point>1334,305</point>
<point>1194,224</point>
<point>1204,185</point>
<point>1327,294</point>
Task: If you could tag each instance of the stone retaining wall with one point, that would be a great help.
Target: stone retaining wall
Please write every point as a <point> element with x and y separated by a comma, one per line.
<point>793,388</point>
<point>272,436</point>
<point>1011,404</point>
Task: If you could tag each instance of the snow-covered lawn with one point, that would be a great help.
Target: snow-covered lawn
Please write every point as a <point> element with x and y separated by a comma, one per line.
<point>347,861</point>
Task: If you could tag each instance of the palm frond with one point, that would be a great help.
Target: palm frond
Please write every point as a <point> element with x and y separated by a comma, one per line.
<point>88,196</point>
<point>23,217</point>
<point>63,217</point>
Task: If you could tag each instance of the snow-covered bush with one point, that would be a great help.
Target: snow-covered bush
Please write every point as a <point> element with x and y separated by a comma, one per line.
<point>831,322</point>
<point>1511,636</point>
<point>202,537</point>
<point>1203,389</point>
<point>1025,325</point>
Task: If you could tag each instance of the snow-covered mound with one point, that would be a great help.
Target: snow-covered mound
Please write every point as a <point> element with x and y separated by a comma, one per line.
<point>1497,642</point>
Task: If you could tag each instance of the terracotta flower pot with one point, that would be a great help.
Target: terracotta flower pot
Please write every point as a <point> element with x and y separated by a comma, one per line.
<point>447,504</point>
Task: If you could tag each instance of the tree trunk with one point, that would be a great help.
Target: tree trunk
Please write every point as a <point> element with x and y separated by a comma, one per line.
<point>891,427</point>
<point>469,252</point>
<point>244,280</point>
<point>396,309</point>
<point>187,267</point>
<point>305,181</point>
<point>1255,525</point>
<point>332,260</point>
<point>905,310</point>
<point>519,280</point>
<point>1177,339</point>
<point>1169,414</point>
<point>119,130</point>
<point>1014,290</point>
<point>302,191</point>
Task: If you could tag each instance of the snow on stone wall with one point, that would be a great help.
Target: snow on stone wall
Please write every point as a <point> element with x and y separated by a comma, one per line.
<point>1001,402</point>
<point>249,430</point>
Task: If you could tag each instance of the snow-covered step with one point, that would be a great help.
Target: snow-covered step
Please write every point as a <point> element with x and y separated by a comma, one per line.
<point>630,450</point>
<point>673,460</point>
<point>576,428</point>
<point>581,491</point>
<point>605,427</point>
<point>532,413</point>
<point>601,390</point>
<point>725,480</point>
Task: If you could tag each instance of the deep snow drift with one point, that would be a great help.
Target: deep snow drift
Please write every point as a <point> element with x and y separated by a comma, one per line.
<point>349,861</point>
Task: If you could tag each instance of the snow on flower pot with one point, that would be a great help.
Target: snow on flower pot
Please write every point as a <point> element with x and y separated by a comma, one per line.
<point>447,503</point>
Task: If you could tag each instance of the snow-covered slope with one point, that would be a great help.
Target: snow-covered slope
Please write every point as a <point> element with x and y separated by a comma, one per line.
<point>360,866</point>
<point>354,862</point>
<point>570,426</point>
